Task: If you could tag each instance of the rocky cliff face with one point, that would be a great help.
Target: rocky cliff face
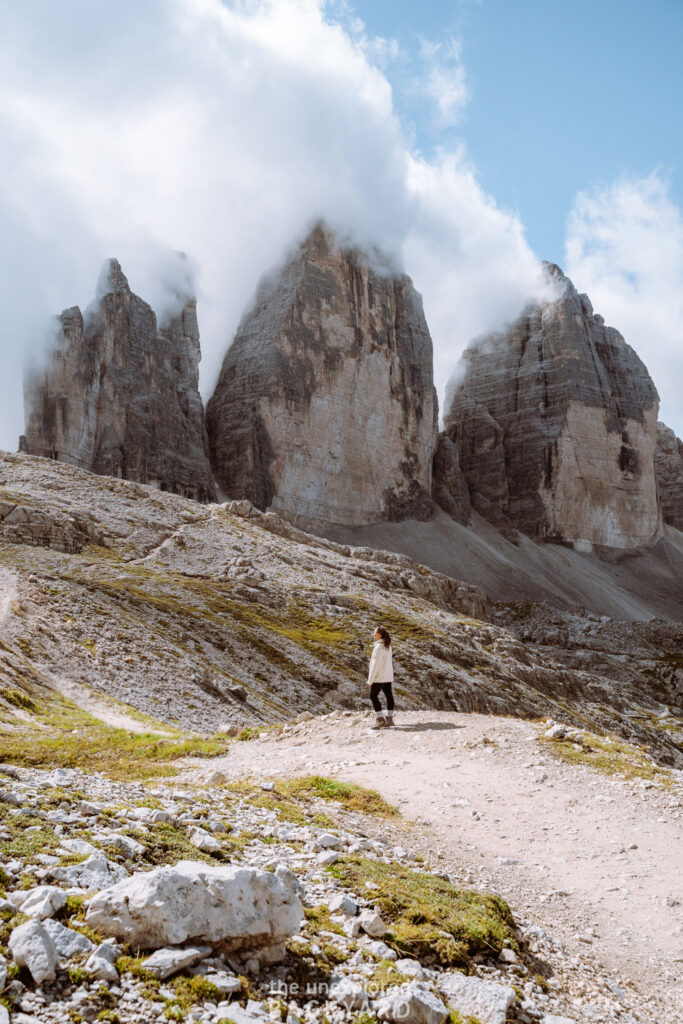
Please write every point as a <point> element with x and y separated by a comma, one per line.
<point>325,409</point>
<point>669,473</point>
<point>119,395</point>
<point>556,423</point>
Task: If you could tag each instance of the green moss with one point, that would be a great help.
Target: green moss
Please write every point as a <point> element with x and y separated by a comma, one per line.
<point>19,699</point>
<point>318,919</point>
<point>166,844</point>
<point>192,991</point>
<point>74,739</point>
<point>427,916</point>
<point>610,756</point>
<point>355,798</point>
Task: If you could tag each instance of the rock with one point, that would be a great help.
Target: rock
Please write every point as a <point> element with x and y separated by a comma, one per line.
<point>204,841</point>
<point>348,993</point>
<point>101,962</point>
<point>343,904</point>
<point>556,732</point>
<point>372,924</point>
<point>552,1018</point>
<point>352,928</point>
<point>411,968</point>
<point>325,409</point>
<point>237,1014</point>
<point>119,394</point>
<point>165,962</point>
<point>380,949</point>
<point>476,997</point>
<point>128,846</point>
<point>508,956</point>
<point>3,972</point>
<point>60,531</point>
<point>555,420</point>
<point>95,872</point>
<point>236,907</point>
<point>669,474</point>
<point>4,1015</point>
<point>216,779</point>
<point>449,486</point>
<point>32,947</point>
<point>43,901</point>
<point>68,942</point>
<point>413,1003</point>
<point>327,857</point>
<point>328,841</point>
<point>78,846</point>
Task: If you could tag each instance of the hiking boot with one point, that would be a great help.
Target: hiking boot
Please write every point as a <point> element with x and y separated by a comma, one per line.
<point>389,720</point>
<point>379,722</point>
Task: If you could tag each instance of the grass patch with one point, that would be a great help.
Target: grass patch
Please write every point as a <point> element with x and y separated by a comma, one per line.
<point>166,844</point>
<point>75,739</point>
<point>609,755</point>
<point>354,798</point>
<point>193,991</point>
<point>319,919</point>
<point>19,699</point>
<point>427,917</point>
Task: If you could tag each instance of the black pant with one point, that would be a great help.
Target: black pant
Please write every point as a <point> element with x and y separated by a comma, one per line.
<point>385,688</point>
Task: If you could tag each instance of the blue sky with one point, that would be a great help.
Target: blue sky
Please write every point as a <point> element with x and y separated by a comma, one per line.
<point>468,139</point>
<point>563,96</point>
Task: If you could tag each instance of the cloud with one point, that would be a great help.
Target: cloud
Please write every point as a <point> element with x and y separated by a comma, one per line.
<point>222,130</point>
<point>625,249</point>
<point>445,81</point>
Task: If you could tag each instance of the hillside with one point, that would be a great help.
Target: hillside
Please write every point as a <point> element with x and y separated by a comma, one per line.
<point>208,616</point>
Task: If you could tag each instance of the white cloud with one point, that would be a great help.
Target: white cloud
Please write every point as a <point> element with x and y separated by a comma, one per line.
<point>445,81</point>
<point>625,249</point>
<point>222,130</point>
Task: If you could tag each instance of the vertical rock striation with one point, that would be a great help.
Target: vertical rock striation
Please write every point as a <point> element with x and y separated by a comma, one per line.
<point>325,409</point>
<point>556,422</point>
<point>669,473</point>
<point>119,394</point>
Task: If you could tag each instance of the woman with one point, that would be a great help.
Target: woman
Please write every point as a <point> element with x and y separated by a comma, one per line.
<point>380,678</point>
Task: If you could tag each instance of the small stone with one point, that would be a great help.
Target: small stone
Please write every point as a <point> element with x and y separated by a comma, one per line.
<point>413,1003</point>
<point>486,1000</point>
<point>328,841</point>
<point>68,942</point>
<point>348,993</point>
<point>32,947</point>
<point>327,857</point>
<point>204,841</point>
<point>44,901</point>
<point>217,779</point>
<point>165,962</point>
<point>372,924</point>
<point>343,904</point>
<point>507,956</point>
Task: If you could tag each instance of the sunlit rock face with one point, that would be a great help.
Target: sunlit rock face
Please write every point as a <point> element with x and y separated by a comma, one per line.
<point>119,395</point>
<point>325,409</point>
<point>669,473</point>
<point>555,420</point>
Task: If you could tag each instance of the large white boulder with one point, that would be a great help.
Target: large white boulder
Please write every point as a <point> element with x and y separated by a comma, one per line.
<point>237,907</point>
<point>32,947</point>
<point>414,1003</point>
<point>476,997</point>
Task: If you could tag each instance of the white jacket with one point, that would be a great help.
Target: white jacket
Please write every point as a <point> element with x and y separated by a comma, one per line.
<point>381,664</point>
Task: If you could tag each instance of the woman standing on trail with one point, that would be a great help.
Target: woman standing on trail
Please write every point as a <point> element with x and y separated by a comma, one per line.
<point>380,678</point>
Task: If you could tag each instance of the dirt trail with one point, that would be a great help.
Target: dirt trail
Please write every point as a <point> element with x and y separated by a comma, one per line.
<point>594,860</point>
<point>99,707</point>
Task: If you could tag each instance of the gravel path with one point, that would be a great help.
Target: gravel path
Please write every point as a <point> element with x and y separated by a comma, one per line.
<point>594,860</point>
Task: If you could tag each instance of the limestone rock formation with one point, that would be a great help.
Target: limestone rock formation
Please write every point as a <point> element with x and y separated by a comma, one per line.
<point>669,473</point>
<point>449,486</point>
<point>325,410</point>
<point>556,422</point>
<point>119,395</point>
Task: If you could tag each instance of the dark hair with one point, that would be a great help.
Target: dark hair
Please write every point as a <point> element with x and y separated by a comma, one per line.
<point>384,633</point>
